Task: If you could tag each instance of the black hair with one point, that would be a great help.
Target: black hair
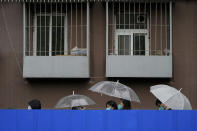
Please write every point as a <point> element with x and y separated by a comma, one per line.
<point>157,102</point>
<point>74,108</point>
<point>112,104</point>
<point>35,104</point>
<point>78,108</point>
<point>126,104</point>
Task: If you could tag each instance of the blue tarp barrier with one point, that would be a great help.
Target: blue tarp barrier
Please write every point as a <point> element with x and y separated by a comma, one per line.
<point>97,120</point>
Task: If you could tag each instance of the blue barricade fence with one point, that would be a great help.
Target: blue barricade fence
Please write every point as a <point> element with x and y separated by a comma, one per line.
<point>97,120</point>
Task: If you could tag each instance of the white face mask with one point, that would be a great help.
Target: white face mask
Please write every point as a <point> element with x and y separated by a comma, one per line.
<point>29,108</point>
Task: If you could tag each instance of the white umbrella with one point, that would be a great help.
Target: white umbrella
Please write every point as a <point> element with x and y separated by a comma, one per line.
<point>115,89</point>
<point>74,100</point>
<point>171,97</point>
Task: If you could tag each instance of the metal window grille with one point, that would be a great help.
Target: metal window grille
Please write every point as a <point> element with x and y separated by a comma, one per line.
<point>56,28</point>
<point>138,28</point>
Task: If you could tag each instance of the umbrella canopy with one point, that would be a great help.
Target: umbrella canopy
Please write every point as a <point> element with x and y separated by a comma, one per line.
<point>74,101</point>
<point>115,89</point>
<point>171,97</point>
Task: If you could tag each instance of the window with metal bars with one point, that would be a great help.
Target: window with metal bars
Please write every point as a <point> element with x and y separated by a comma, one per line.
<point>55,29</point>
<point>49,35</point>
<point>138,28</point>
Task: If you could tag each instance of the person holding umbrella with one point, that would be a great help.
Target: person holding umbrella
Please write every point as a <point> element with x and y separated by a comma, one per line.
<point>170,98</point>
<point>75,102</point>
<point>118,90</point>
<point>124,105</point>
<point>160,105</point>
<point>111,105</point>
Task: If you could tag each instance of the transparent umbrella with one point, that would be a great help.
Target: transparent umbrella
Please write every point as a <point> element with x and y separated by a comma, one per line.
<point>115,89</point>
<point>171,97</point>
<point>74,100</point>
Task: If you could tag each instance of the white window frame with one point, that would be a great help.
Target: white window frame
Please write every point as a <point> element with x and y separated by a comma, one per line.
<point>50,33</point>
<point>131,32</point>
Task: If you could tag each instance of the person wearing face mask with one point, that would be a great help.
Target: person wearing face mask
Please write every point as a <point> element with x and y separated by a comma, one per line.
<point>160,105</point>
<point>111,105</point>
<point>34,104</point>
<point>124,105</point>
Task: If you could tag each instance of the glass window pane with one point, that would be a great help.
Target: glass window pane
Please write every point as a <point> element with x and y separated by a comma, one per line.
<point>43,35</point>
<point>38,41</point>
<point>124,44</point>
<point>58,35</point>
<point>138,44</point>
<point>27,41</point>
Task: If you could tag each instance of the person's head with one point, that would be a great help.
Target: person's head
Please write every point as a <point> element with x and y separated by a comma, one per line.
<point>124,104</point>
<point>74,108</point>
<point>111,105</point>
<point>78,108</point>
<point>158,103</point>
<point>34,104</point>
<point>81,108</point>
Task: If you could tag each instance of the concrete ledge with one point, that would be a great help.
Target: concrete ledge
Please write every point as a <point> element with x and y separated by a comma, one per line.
<point>56,67</point>
<point>139,66</point>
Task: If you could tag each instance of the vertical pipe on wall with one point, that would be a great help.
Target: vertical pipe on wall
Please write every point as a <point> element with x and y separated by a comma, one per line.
<point>161,28</point>
<point>117,48</point>
<point>76,25</point>
<point>24,29</point>
<point>129,27</point>
<point>166,28</point>
<point>40,32</point>
<point>150,49</point>
<point>139,51</point>
<point>170,27</point>
<point>61,26</point>
<point>55,29</point>
<point>82,25</point>
<point>35,32</point>
<point>124,29</point>
<point>129,16</point>
<point>50,28</point>
<point>113,28</point>
<point>88,29</point>
<point>134,28</point>
<point>70,27</point>
<point>29,27</point>
<point>107,28</point>
<point>145,26</point>
<point>45,29</point>
<point>66,33</point>
<point>119,14</point>
<point>155,29</point>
